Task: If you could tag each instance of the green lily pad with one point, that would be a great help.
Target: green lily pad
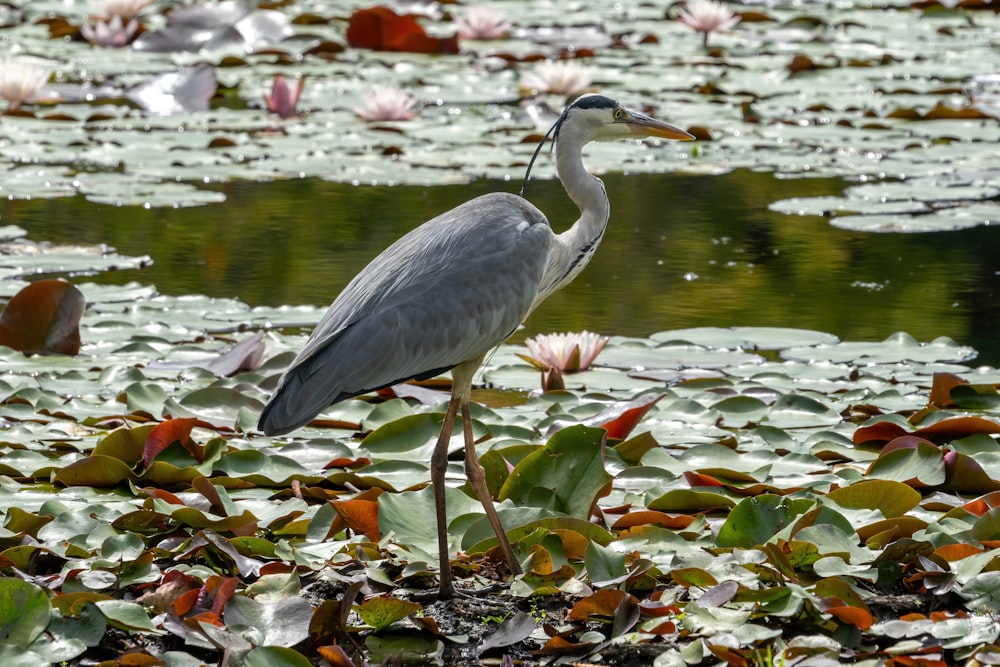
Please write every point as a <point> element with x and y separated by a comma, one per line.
<point>24,612</point>
<point>540,479</point>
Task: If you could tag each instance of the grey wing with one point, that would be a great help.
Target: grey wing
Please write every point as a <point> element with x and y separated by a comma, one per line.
<point>447,292</point>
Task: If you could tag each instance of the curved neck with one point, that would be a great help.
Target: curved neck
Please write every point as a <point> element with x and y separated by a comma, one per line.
<point>574,247</point>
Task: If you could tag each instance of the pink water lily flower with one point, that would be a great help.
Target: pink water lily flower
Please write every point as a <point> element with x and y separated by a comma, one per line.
<point>21,82</point>
<point>569,352</point>
<point>284,98</point>
<point>113,33</point>
<point>707,16</point>
<point>386,103</point>
<point>482,22</point>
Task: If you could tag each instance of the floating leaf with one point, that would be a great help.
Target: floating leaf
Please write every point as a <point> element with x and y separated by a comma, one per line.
<point>382,29</point>
<point>97,471</point>
<point>177,92</point>
<point>24,612</point>
<point>513,630</point>
<point>693,576</point>
<point>601,606</point>
<point>360,516</point>
<point>965,475</point>
<point>567,475</point>
<point>684,500</point>
<point>275,656</point>
<point>719,595</point>
<point>754,521</point>
<point>603,565</point>
<point>167,433</point>
<point>43,317</point>
<point>621,418</point>
<point>941,388</point>
<point>890,497</point>
<point>382,611</point>
<point>282,623</point>
<point>911,460</point>
<point>646,517</point>
<point>126,616</point>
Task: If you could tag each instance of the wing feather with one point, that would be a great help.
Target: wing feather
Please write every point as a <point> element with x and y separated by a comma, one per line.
<point>447,292</point>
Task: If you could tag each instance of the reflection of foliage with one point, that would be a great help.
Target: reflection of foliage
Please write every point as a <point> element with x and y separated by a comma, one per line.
<point>754,267</point>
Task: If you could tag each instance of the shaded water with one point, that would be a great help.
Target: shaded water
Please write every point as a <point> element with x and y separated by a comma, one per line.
<point>681,251</point>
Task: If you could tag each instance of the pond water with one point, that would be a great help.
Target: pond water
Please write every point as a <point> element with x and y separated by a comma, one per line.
<point>681,251</point>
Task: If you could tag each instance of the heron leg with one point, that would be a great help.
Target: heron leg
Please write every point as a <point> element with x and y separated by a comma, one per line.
<point>477,480</point>
<point>439,466</point>
<point>461,393</point>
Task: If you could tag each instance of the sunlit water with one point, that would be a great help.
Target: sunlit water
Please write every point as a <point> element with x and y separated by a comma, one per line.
<point>681,251</point>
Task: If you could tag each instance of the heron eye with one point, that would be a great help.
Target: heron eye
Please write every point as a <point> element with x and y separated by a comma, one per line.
<point>618,114</point>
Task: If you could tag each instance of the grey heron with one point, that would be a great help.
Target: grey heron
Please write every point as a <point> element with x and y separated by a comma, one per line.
<point>445,294</point>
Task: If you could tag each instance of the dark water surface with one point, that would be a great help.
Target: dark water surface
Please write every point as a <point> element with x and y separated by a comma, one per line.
<point>681,251</point>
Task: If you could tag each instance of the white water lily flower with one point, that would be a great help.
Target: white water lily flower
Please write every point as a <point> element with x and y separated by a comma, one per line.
<point>386,103</point>
<point>568,352</point>
<point>21,82</point>
<point>561,77</point>
<point>482,22</point>
<point>707,16</point>
<point>113,33</point>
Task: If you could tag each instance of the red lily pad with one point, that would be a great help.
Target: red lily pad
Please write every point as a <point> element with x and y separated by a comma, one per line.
<point>862,618</point>
<point>958,427</point>
<point>167,433</point>
<point>361,516</point>
<point>601,606</point>
<point>964,475</point>
<point>381,29</point>
<point>621,418</point>
<point>44,317</point>
<point>941,388</point>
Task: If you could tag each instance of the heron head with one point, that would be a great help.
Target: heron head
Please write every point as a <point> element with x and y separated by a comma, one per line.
<point>600,118</point>
<point>595,117</point>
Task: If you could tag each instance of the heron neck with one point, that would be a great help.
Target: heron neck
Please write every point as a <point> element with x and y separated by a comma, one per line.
<point>577,245</point>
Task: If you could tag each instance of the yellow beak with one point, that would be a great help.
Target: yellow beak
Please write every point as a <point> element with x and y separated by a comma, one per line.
<point>646,126</point>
